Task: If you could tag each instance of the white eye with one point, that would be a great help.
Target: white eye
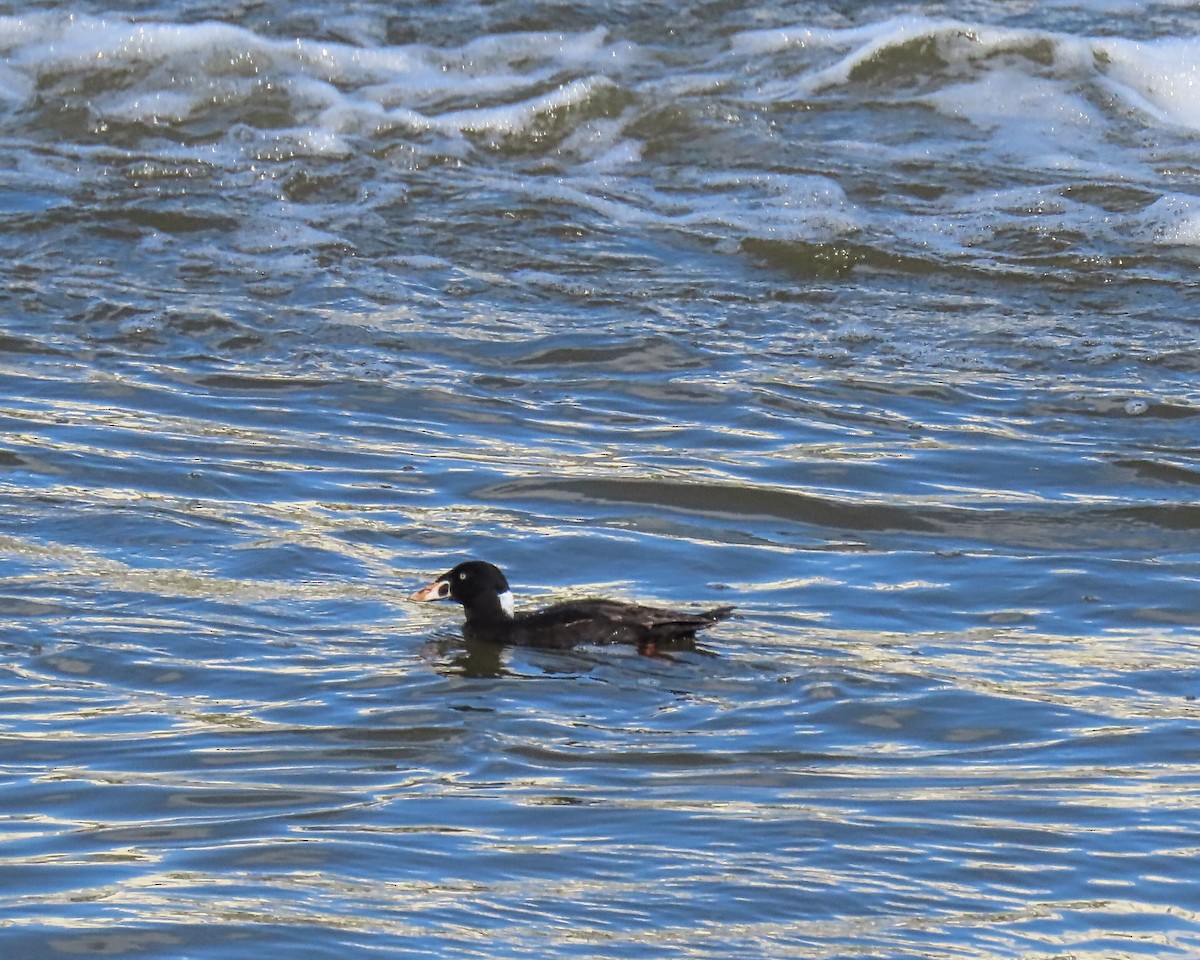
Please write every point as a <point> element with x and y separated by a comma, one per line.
<point>462,575</point>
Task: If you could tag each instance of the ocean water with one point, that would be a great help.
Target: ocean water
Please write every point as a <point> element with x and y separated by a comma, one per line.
<point>877,320</point>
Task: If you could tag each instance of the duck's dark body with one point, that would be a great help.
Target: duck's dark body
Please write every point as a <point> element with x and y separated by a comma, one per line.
<point>483,591</point>
<point>591,621</point>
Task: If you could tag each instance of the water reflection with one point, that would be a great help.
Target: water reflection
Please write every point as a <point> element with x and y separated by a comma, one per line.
<point>455,656</point>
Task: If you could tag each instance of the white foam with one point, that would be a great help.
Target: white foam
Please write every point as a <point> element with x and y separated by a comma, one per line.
<point>1172,221</point>
<point>781,207</point>
<point>1036,101</point>
<point>1034,121</point>
<point>774,40</point>
<point>161,106</point>
<point>1005,94</point>
<point>601,147</point>
<point>519,117</point>
<point>1161,78</point>
<point>863,45</point>
<point>511,82</point>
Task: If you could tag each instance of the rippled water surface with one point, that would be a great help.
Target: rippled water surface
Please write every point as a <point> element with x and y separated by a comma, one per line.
<point>878,321</point>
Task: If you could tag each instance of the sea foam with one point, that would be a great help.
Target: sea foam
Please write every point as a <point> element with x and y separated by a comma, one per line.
<point>766,135</point>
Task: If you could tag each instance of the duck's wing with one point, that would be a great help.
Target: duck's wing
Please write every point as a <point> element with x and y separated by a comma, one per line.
<point>608,621</point>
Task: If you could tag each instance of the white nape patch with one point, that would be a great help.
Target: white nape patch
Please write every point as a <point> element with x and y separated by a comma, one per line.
<point>506,602</point>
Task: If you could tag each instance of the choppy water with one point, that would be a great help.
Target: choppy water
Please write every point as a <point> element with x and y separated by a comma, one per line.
<point>878,320</point>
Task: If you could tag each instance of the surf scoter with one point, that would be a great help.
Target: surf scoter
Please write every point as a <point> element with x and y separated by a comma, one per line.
<point>483,591</point>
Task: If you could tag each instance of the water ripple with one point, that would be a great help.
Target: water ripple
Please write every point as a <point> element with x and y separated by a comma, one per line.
<point>877,325</point>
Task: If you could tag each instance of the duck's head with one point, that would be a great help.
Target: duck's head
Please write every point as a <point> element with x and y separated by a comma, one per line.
<point>479,586</point>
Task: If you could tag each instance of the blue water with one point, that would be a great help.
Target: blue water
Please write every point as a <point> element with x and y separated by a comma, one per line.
<point>877,321</point>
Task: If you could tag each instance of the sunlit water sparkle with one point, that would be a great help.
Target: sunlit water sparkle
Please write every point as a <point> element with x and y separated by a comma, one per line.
<point>877,321</point>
